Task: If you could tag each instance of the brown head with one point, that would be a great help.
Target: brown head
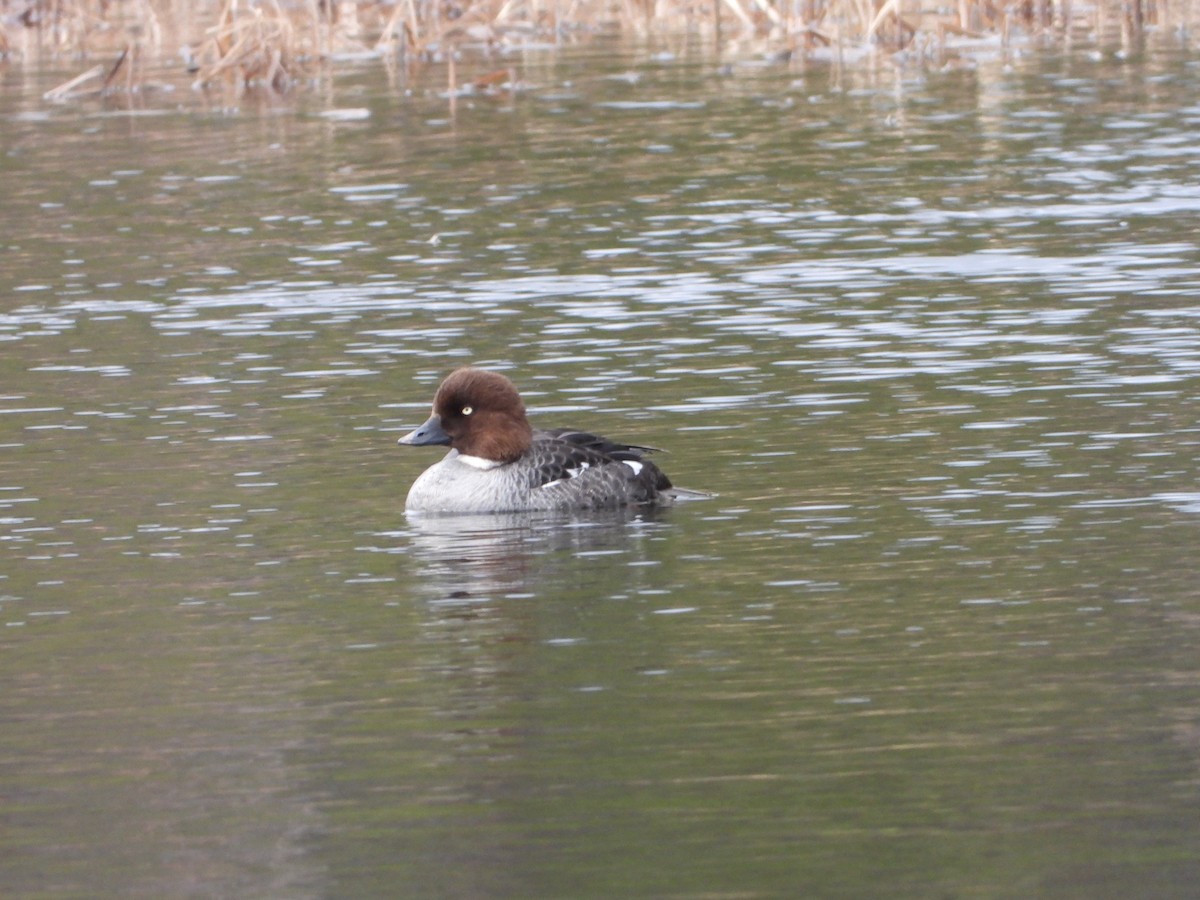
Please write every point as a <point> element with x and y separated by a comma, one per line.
<point>478,413</point>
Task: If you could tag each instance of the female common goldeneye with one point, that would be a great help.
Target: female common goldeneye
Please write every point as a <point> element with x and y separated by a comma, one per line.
<point>499,463</point>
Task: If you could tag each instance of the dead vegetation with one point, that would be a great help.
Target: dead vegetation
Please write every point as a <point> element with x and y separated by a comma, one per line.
<point>277,44</point>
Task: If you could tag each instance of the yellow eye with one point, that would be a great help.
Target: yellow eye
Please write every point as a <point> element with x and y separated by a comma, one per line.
<point>467,410</point>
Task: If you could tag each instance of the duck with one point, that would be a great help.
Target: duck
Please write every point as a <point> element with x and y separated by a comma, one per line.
<point>499,463</point>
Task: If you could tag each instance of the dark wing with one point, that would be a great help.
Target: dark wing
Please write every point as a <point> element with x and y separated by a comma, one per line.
<point>553,459</point>
<point>556,458</point>
<point>598,443</point>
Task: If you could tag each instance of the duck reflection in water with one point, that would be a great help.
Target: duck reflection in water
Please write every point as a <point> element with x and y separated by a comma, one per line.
<point>475,559</point>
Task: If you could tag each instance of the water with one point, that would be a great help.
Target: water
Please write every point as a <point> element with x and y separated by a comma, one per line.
<point>931,338</point>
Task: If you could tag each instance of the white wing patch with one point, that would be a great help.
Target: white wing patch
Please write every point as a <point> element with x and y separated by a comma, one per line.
<point>633,464</point>
<point>571,473</point>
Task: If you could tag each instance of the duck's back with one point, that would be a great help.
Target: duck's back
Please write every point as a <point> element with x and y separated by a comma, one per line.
<point>554,474</point>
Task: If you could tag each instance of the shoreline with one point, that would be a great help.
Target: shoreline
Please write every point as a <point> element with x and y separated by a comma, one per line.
<point>280,48</point>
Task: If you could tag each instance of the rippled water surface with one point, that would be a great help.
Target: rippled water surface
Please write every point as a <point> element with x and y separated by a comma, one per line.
<point>932,338</point>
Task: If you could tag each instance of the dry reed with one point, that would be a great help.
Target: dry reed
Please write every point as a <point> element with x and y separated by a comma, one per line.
<point>273,44</point>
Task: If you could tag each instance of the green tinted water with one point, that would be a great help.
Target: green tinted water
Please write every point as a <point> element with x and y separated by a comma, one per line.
<point>932,339</point>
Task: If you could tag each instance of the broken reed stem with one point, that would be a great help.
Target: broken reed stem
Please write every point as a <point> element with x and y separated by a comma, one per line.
<point>117,66</point>
<point>67,88</point>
